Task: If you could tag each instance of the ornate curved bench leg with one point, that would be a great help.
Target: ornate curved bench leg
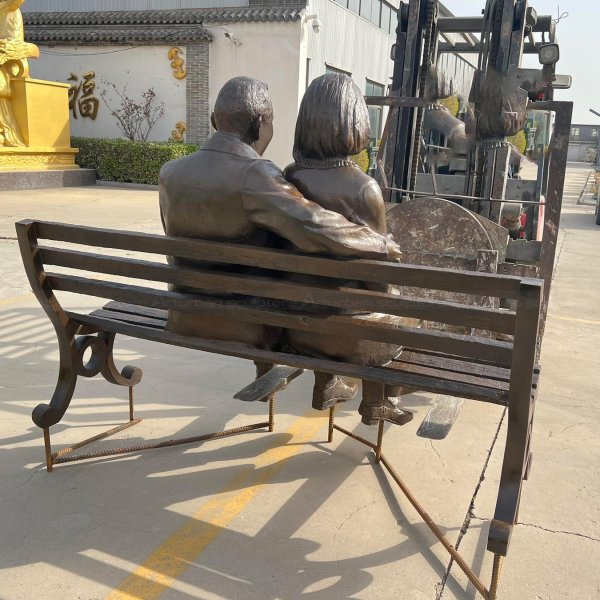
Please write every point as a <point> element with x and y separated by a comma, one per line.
<point>45,415</point>
<point>129,376</point>
<point>100,361</point>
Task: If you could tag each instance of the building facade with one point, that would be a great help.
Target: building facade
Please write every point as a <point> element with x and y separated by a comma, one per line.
<point>185,50</point>
<point>584,143</point>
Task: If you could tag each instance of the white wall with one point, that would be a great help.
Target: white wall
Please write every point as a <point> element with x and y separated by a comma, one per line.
<point>138,68</point>
<point>348,42</point>
<point>269,52</point>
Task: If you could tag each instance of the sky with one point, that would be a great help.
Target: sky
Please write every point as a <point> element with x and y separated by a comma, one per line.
<point>579,39</point>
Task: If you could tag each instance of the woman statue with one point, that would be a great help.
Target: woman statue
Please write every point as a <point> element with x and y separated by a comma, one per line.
<point>14,53</point>
<point>332,125</point>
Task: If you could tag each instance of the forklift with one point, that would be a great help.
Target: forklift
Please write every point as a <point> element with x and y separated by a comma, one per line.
<point>461,194</point>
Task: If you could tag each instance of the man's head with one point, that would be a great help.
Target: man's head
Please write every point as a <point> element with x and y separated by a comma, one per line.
<point>243,108</point>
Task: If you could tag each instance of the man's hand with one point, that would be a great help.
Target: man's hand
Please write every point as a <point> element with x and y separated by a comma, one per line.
<point>274,204</point>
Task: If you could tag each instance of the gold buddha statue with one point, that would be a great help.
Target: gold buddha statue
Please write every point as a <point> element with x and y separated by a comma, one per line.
<point>14,52</point>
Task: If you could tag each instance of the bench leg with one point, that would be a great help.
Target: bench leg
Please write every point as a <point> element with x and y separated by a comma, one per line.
<point>271,414</point>
<point>496,570</point>
<point>514,471</point>
<point>379,442</point>
<point>129,376</point>
<point>331,424</point>
<point>523,384</point>
<point>67,454</point>
<point>48,448</point>
<point>45,415</point>
<point>131,403</point>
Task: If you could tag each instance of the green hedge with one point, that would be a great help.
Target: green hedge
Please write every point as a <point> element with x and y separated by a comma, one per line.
<point>362,160</point>
<point>126,161</point>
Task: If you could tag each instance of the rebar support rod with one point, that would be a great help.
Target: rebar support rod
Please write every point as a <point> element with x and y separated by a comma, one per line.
<point>331,424</point>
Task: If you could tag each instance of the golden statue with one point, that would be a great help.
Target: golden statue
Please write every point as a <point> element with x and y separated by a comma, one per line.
<point>34,114</point>
<point>177,135</point>
<point>14,52</point>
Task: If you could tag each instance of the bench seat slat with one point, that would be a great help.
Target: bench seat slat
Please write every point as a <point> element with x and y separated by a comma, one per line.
<point>478,284</point>
<point>446,363</point>
<point>154,313</point>
<point>130,318</point>
<point>202,280</point>
<point>377,374</point>
<point>409,361</point>
<point>451,375</point>
<point>498,352</point>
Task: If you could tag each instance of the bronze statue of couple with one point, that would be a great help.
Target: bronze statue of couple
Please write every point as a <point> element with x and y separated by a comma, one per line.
<point>322,204</point>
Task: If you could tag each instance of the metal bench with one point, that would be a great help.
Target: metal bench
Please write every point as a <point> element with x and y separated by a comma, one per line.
<point>467,366</point>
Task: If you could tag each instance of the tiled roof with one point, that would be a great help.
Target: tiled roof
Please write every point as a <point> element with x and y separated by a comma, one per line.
<point>145,26</point>
<point>91,35</point>
<point>191,16</point>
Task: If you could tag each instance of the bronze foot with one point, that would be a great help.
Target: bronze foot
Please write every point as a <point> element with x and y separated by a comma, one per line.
<point>371,415</point>
<point>331,389</point>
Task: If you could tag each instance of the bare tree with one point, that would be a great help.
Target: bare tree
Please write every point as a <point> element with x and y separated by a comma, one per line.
<point>135,118</point>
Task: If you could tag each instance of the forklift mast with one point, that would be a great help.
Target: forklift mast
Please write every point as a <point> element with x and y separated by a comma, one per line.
<point>468,159</point>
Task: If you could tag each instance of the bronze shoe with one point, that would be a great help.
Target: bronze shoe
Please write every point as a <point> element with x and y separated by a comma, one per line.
<point>331,389</point>
<point>371,415</point>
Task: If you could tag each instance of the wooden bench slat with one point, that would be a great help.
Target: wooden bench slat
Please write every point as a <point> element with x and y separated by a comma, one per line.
<point>452,364</point>
<point>498,352</point>
<point>131,314</point>
<point>356,300</point>
<point>130,318</point>
<point>377,374</point>
<point>155,313</point>
<point>478,284</point>
<point>451,375</point>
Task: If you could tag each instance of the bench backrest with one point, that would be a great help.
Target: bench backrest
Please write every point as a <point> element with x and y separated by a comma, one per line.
<point>521,324</point>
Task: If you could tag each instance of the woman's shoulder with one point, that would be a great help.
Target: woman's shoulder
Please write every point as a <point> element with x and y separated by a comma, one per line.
<point>368,187</point>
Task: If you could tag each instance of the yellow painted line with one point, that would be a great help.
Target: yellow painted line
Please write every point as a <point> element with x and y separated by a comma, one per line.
<point>575,320</point>
<point>171,559</point>
<point>15,299</point>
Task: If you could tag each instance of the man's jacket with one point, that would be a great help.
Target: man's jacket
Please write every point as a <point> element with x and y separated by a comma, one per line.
<point>227,192</point>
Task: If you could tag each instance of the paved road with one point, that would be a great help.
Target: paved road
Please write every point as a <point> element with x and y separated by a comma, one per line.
<point>284,516</point>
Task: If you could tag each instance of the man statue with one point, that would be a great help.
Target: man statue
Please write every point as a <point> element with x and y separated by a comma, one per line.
<point>226,191</point>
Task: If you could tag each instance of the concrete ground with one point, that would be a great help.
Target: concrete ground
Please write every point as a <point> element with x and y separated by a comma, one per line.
<point>283,516</point>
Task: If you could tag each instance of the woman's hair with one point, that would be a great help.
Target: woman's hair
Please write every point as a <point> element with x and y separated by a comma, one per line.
<point>333,120</point>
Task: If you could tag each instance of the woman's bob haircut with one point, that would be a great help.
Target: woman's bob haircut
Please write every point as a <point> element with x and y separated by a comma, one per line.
<point>333,121</point>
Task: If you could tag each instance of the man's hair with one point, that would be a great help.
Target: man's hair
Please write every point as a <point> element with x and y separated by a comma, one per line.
<point>240,104</point>
<point>333,120</point>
